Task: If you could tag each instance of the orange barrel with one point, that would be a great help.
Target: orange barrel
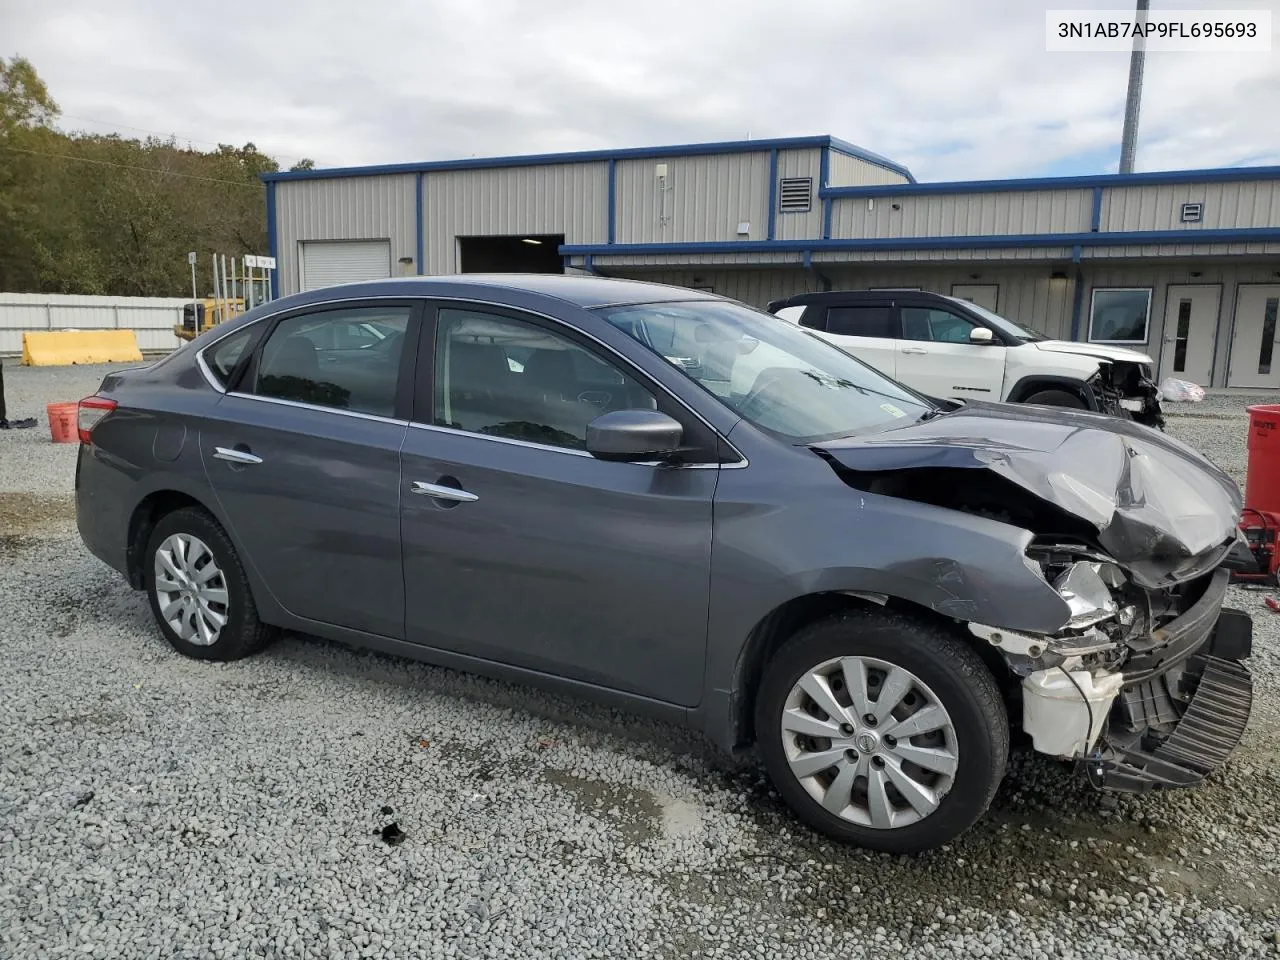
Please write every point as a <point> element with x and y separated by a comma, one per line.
<point>62,422</point>
<point>1262,482</point>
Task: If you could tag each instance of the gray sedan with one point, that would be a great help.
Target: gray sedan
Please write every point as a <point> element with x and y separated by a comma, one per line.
<point>674,503</point>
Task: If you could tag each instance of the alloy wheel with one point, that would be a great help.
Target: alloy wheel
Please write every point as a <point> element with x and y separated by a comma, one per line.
<point>191,591</point>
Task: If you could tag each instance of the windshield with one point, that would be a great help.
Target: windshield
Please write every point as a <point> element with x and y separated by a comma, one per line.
<point>1002,324</point>
<point>770,372</point>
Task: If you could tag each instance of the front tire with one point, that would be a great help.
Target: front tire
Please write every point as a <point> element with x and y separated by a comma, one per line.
<point>882,730</point>
<point>199,591</point>
<point>1056,398</point>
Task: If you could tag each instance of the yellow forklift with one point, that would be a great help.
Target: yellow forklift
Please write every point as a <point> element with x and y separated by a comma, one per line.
<point>237,286</point>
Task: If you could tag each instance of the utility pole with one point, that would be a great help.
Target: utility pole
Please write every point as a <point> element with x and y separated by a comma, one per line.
<point>1133,102</point>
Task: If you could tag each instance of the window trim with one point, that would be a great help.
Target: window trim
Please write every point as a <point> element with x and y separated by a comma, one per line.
<point>424,382</point>
<point>1146,324</point>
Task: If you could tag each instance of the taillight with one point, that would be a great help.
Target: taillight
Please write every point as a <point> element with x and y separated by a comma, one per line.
<point>89,412</point>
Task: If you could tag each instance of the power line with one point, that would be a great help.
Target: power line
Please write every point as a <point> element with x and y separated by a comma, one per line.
<point>158,133</point>
<point>130,166</point>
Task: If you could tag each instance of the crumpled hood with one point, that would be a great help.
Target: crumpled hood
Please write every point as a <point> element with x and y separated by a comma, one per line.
<point>1153,501</point>
<point>1099,350</point>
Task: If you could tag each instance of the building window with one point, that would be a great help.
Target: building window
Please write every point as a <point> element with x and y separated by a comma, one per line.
<point>1268,335</point>
<point>1181,337</point>
<point>1192,212</point>
<point>1120,315</point>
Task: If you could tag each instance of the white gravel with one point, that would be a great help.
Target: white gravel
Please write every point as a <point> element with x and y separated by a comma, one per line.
<point>153,806</point>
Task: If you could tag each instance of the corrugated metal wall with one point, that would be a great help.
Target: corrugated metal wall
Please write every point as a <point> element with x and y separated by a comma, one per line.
<point>1247,203</point>
<point>800,226</point>
<point>705,198</point>
<point>1036,254</point>
<point>151,318</point>
<point>343,208</point>
<point>570,198</point>
<point>846,171</point>
<point>754,287</point>
<point>964,214</point>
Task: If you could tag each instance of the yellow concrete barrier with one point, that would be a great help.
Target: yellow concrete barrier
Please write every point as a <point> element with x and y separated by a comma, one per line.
<point>61,347</point>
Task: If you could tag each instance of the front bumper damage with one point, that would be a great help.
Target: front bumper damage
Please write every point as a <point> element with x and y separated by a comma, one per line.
<point>1164,711</point>
<point>1127,390</point>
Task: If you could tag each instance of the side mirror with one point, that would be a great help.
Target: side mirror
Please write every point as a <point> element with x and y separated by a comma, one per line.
<point>629,435</point>
<point>980,335</point>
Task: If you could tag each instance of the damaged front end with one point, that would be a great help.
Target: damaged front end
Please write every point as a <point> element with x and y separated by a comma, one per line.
<point>1142,682</point>
<point>1125,389</point>
<point>1143,686</point>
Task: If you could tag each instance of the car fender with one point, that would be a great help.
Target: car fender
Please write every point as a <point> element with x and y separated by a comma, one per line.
<point>1025,364</point>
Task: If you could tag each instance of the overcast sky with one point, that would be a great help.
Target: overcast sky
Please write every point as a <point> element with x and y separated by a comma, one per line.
<point>951,88</point>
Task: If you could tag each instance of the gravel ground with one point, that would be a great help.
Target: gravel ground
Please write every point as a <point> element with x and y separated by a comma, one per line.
<point>153,806</point>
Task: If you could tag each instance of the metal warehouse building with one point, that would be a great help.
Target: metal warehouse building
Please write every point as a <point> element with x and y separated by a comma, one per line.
<point>1182,264</point>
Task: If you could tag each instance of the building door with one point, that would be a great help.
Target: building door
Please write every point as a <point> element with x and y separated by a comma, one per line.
<point>1190,323</point>
<point>329,262</point>
<point>984,295</point>
<point>1255,358</point>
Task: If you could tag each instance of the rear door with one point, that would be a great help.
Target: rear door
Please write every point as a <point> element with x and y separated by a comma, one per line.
<point>303,455</point>
<point>522,548</point>
<point>936,357</point>
<point>867,329</point>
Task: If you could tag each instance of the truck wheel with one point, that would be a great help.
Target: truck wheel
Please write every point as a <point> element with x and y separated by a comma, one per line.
<point>1056,398</point>
<point>882,730</point>
<point>199,591</point>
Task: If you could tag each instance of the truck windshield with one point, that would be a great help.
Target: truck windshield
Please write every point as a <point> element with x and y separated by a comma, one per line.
<point>772,373</point>
<point>994,320</point>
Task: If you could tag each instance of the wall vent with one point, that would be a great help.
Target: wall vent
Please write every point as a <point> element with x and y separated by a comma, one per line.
<point>795,194</point>
<point>1192,212</point>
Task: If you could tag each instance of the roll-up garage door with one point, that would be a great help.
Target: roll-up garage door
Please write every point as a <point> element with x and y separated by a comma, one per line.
<point>328,262</point>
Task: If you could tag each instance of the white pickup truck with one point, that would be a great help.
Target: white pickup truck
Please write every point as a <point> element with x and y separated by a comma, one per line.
<point>946,347</point>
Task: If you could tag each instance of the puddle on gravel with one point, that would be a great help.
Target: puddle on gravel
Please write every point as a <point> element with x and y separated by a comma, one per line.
<point>636,813</point>
<point>23,515</point>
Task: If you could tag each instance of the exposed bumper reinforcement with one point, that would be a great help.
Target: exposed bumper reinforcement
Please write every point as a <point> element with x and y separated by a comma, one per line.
<point>1209,729</point>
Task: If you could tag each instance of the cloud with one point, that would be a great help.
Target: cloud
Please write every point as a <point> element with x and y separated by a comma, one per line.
<point>952,90</point>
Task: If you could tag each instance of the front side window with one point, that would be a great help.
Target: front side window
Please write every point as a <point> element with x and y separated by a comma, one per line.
<point>940,326</point>
<point>774,374</point>
<point>503,377</point>
<point>345,359</point>
<point>1120,315</point>
<point>866,321</point>
<point>222,357</point>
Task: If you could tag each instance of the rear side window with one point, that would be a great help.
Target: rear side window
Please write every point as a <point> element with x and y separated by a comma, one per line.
<point>222,357</point>
<point>868,321</point>
<point>345,359</point>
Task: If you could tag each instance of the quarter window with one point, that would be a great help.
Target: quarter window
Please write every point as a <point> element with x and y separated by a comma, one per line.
<point>502,377</point>
<point>222,357</point>
<point>345,359</point>
<point>1120,315</point>
<point>940,326</point>
<point>868,321</point>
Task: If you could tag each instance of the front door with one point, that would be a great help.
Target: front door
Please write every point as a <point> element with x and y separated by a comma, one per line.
<point>1255,357</point>
<point>936,357</point>
<point>983,294</point>
<point>1190,323</point>
<point>522,548</point>
<point>304,459</point>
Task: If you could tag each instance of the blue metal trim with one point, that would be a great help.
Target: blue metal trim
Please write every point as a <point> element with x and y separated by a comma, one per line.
<point>773,192</point>
<point>850,150</point>
<point>418,224</point>
<point>1214,175</point>
<point>824,174</point>
<point>1239,235</point>
<point>272,239</point>
<point>1076,304</point>
<point>1076,252</point>
<point>584,156</point>
<point>613,200</point>
<point>588,264</point>
<point>1095,218</point>
<point>807,259</point>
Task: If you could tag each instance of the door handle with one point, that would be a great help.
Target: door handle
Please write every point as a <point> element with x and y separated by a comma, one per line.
<point>438,492</point>
<point>914,350</point>
<point>235,456</point>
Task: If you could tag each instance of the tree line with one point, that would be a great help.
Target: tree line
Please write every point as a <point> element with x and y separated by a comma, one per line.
<point>101,214</point>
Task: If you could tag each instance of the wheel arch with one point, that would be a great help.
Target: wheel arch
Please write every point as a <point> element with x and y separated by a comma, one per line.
<point>788,618</point>
<point>1035,383</point>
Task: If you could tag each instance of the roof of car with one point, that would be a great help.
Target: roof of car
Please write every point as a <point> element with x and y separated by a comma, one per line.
<point>830,295</point>
<point>584,291</point>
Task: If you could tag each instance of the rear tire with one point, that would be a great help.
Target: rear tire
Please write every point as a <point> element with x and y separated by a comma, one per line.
<point>930,676</point>
<point>1056,398</point>
<point>199,591</point>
